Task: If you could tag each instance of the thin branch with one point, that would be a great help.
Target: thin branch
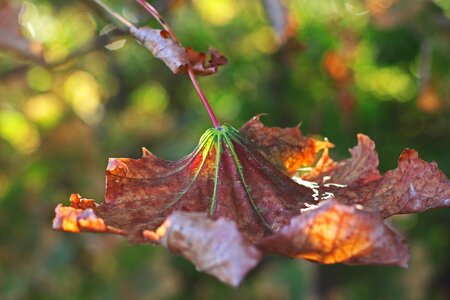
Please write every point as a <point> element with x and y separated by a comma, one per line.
<point>159,18</point>
<point>114,14</point>
<point>200,93</point>
<point>203,98</point>
<point>96,44</point>
<point>166,26</point>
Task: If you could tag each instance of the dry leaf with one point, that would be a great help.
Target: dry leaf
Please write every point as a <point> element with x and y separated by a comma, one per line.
<point>333,233</point>
<point>415,186</point>
<point>215,247</point>
<point>227,194</point>
<point>175,56</point>
<point>286,148</point>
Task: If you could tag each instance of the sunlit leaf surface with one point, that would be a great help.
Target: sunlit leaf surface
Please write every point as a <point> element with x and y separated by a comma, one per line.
<point>224,201</point>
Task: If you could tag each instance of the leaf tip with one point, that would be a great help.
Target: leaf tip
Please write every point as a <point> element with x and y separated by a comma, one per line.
<point>72,219</point>
<point>408,155</point>
<point>145,152</point>
<point>117,167</point>
<point>447,202</point>
<point>258,116</point>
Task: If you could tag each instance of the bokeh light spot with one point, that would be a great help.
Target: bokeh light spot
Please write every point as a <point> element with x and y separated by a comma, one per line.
<point>388,83</point>
<point>45,109</point>
<point>217,12</point>
<point>39,79</point>
<point>83,93</point>
<point>16,130</point>
<point>264,40</point>
<point>150,97</point>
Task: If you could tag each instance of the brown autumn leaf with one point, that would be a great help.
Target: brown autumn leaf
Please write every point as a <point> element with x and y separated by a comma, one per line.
<point>80,216</point>
<point>333,232</point>
<point>222,176</point>
<point>414,186</point>
<point>226,180</point>
<point>175,56</point>
<point>219,248</point>
<point>361,168</point>
<point>286,148</point>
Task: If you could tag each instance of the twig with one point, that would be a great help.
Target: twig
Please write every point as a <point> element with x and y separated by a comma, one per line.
<point>203,98</point>
<point>159,18</point>
<point>134,31</point>
<point>114,14</point>
<point>98,43</point>
<point>200,93</point>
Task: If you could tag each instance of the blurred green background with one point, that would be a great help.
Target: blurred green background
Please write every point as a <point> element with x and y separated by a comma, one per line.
<point>80,91</point>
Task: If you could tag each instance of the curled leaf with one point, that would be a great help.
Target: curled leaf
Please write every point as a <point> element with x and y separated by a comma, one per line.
<point>159,43</point>
<point>222,177</point>
<point>286,148</point>
<point>215,247</point>
<point>361,168</point>
<point>414,186</point>
<point>175,56</point>
<point>80,216</point>
<point>333,233</point>
<point>201,65</point>
<point>224,200</point>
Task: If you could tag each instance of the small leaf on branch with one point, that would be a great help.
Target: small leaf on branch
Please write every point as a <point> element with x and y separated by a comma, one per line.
<point>164,45</point>
<point>175,56</point>
<point>159,43</point>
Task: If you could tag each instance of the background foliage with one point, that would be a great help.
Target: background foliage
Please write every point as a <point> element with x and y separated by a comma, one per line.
<point>377,67</point>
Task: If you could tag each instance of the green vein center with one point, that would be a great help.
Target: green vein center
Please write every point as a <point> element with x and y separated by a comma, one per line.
<point>215,138</point>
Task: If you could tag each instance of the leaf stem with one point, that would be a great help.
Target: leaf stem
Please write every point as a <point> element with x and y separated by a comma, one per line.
<point>200,93</point>
<point>159,18</point>
<point>202,96</point>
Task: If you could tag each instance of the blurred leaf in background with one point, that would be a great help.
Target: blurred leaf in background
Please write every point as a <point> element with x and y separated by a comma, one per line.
<point>76,90</point>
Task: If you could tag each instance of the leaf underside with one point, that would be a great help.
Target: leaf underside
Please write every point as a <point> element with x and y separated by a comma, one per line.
<point>234,194</point>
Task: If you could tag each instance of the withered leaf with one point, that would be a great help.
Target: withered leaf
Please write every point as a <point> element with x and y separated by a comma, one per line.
<point>227,183</point>
<point>175,56</point>
<point>286,148</point>
<point>222,176</point>
<point>414,186</point>
<point>80,216</point>
<point>361,168</point>
<point>334,232</point>
<point>219,248</point>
